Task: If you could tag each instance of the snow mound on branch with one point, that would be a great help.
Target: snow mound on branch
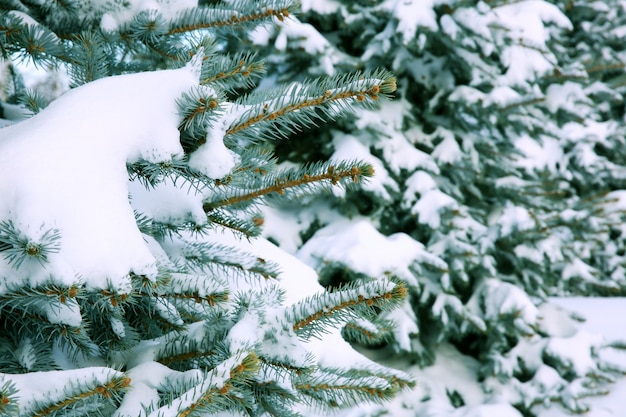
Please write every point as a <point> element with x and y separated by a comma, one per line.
<point>120,13</point>
<point>359,246</point>
<point>98,128</point>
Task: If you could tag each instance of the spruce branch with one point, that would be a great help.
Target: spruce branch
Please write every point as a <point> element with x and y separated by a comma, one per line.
<point>312,316</point>
<point>239,14</point>
<point>196,288</point>
<point>186,356</point>
<point>9,405</point>
<point>275,399</point>
<point>229,72</point>
<point>111,391</point>
<point>285,369</point>
<point>33,101</point>
<point>52,293</point>
<point>29,40</point>
<point>247,228</point>
<point>148,27</point>
<point>176,170</point>
<point>180,348</point>
<point>16,247</point>
<point>218,387</point>
<point>298,106</point>
<point>198,108</point>
<point>369,333</point>
<point>300,181</point>
<point>220,259</point>
<point>89,49</point>
<point>338,388</point>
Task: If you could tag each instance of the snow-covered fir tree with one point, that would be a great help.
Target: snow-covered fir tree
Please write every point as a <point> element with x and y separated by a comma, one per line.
<point>133,280</point>
<point>499,182</point>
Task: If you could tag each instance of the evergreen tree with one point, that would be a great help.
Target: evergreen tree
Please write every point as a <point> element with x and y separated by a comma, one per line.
<point>133,279</point>
<point>499,182</point>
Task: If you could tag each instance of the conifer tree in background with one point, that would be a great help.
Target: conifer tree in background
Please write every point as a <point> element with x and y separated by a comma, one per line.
<point>132,278</point>
<point>499,182</point>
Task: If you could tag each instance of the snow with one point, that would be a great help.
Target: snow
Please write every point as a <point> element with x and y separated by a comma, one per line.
<point>320,6</point>
<point>358,245</point>
<point>292,33</point>
<point>515,219</point>
<point>398,151</point>
<point>129,117</point>
<point>449,26</point>
<point>570,349</point>
<point>453,371</point>
<point>212,158</point>
<point>567,96</point>
<point>418,183</point>
<point>502,96</point>
<point>466,94</point>
<point>606,317</point>
<point>501,298</point>
<point>307,36</point>
<point>430,205</point>
<point>578,269</point>
<point>168,202</point>
<point>543,154</point>
<point>448,151</point>
<point>348,147</point>
<point>411,15</point>
<point>102,137</point>
<point>56,385</point>
<point>120,15</point>
<point>500,410</point>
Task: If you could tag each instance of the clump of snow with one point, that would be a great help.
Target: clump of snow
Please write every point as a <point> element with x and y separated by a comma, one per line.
<point>466,94</point>
<point>292,33</point>
<point>501,96</point>
<point>417,184</point>
<point>348,147</point>
<point>575,350</point>
<point>413,14</point>
<point>448,151</point>
<point>449,26</point>
<point>405,325</point>
<point>309,39</point>
<point>320,6</point>
<point>487,410</point>
<point>498,298</point>
<point>354,243</point>
<point>398,149</point>
<point>544,154</point>
<point>213,158</point>
<point>515,219</point>
<point>168,202</point>
<point>430,206</point>
<point>120,13</point>
<point>65,168</point>
<point>568,96</point>
<point>526,22</point>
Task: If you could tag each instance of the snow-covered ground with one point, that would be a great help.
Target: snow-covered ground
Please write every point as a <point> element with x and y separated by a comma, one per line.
<point>606,316</point>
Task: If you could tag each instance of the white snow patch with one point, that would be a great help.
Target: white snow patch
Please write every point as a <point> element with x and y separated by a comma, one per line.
<point>212,158</point>
<point>417,184</point>
<point>129,117</point>
<point>348,147</point>
<point>429,207</point>
<point>545,154</point>
<point>448,151</point>
<point>515,219</point>
<point>124,12</point>
<point>359,246</point>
